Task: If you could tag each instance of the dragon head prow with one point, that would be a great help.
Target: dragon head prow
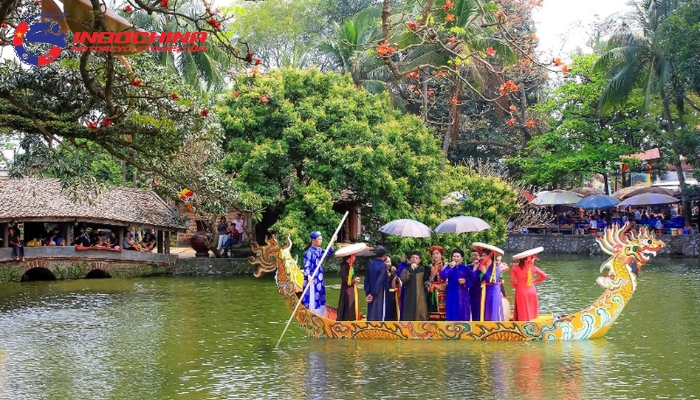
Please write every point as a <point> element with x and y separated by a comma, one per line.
<point>631,247</point>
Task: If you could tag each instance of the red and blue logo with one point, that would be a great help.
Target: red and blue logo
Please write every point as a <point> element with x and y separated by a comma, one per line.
<point>40,32</point>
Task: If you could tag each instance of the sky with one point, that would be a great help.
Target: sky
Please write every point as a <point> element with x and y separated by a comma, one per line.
<point>564,25</point>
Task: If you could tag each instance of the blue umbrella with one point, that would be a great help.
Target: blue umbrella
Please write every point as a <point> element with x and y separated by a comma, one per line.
<point>597,202</point>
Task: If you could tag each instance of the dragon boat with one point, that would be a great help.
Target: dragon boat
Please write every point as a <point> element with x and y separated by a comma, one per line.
<point>628,249</point>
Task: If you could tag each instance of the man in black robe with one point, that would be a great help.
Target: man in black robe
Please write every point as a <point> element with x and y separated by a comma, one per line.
<point>414,279</point>
<point>376,286</point>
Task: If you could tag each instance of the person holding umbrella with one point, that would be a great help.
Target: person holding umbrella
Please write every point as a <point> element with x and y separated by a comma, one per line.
<point>523,278</point>
<point>315,298</point>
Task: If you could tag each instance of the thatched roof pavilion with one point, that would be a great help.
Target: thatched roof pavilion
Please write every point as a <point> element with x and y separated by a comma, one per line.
<point>38,201</point>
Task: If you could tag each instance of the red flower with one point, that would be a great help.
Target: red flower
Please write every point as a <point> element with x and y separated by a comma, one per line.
<point>557,62</point>
<point>565,69</point>
<point>92,126</point>
<point>164,3</point>
<point>413,74</point>
<point>255,72</point>
<point>214,23</point>
<point>236,93</point>
<point>204,113</point>
<point>508,86</point>
<point>411,25</point>
<point>174,96</point>
<point>512,108</point>
<point>257,61</point>
<point>384,49</point>
<point>511,122</point>
<point>454,100</point>
<point>491,51</point>
<point>500,14</point>
<point>128,9</point>
<point>106,122</point>
<point>248,57</point>
<point>264,99</point>
<point>450,17</point>
<point>530,123</point>
<point>430,92</point>
<point>448,5</point>
<point>136,82</point>
<point>441,74</point>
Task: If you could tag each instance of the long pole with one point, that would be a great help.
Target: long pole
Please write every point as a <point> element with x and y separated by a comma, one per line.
<point>311,279</point>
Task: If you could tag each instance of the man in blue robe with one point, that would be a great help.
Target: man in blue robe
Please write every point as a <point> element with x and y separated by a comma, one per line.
<point>458,277</point>
<point>315,297</point>
<point>376,286</point>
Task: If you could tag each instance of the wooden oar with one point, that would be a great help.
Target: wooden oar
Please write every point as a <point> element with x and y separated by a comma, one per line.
<point>311,279</point>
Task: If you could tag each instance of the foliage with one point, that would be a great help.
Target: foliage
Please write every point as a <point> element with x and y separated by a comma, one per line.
<point>681,42</point>
<point>303,139</point>
<point>139,113</point>
<point>281,33</point>
<point>579,140</point>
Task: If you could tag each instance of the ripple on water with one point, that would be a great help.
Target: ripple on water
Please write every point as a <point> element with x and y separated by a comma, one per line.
<point>204,338</point>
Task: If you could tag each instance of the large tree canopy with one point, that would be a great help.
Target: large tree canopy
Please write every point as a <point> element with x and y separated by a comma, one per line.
<point>303,139</point>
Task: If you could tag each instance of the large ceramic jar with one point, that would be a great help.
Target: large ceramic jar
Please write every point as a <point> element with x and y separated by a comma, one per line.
<point>199,244</point>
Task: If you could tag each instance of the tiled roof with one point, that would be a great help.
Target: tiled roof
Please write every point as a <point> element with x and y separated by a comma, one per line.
<point>33,198</point>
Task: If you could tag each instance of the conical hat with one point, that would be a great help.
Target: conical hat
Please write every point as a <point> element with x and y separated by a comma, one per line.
<point>477,245</point>
<point>351,249</point>
<point>528,253</point>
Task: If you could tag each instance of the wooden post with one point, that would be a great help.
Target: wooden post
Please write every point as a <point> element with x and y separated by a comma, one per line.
<point>159,235</point>
<point>120,236</point>
<point>69,235</point>
<point>4,235</point>
<point>167,242</point>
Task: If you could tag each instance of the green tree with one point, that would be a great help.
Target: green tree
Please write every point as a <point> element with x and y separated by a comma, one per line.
<point>579,140</point>
<point>635,57</point>
<point>300,138</point>
<point>280,33</point>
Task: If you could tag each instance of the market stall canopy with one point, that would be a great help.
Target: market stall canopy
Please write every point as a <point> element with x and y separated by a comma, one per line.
<point>597,202</point>
<point>555,198</point>
<point>627,192</point>
<point>648,199</point>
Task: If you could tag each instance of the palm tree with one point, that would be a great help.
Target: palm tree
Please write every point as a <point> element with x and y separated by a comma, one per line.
<point>635,58</point>
<point>205,70</point>
<point>347,50</point>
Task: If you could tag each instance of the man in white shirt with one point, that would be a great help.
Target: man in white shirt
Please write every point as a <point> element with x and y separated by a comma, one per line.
<point>238,226</point>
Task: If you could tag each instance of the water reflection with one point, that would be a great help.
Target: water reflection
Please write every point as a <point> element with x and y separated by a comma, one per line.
<point>188,338</point>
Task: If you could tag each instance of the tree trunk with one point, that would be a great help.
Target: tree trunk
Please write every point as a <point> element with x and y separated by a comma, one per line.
<point>424,108</point>
<point>452,132</point>
<point>213,239</point>
<point>685,203</point>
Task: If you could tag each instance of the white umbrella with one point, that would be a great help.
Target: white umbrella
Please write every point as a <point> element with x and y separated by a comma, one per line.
<point>462,224</point>
<point>648,199</point>
<point>406,228</point>
<point>555,198</point>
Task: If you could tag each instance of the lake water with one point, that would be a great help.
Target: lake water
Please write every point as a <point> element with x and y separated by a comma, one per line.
<point>201,338</point>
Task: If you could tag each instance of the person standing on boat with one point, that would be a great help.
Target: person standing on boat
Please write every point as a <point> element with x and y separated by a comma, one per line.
<point>458,277</point>
<point>315,297</point>
<point>414,279</point>
<point>393,310</point>
<point>349,303</point>
<point>475,285</point>
<point>376,286</point>
<point>436,285</point>
<point>523,278</point>
<point>490,276</point>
